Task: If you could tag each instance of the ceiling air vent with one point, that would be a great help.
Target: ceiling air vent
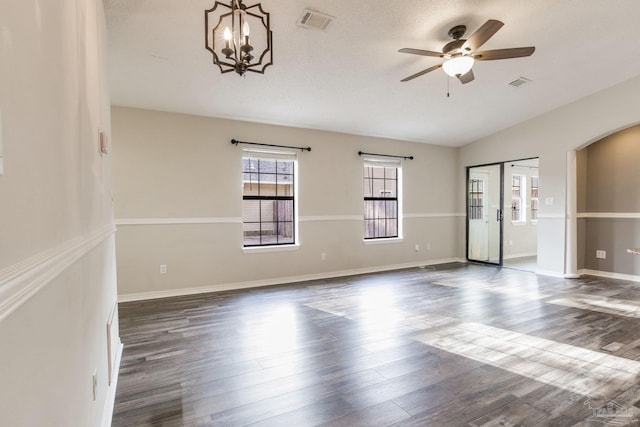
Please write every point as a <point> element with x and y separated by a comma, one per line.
<point>520,81</point>
<point>315,20</point>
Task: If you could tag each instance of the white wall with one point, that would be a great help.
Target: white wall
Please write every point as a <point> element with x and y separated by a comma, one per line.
<point>549,137</point>
<point>178,201</point>
<point>57,249</point>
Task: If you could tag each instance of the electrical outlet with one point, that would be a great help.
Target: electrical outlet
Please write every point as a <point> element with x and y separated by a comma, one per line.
<point>600,254</point>
<point>548,201</point>
<point>323,256</point>
<point>163,268</point>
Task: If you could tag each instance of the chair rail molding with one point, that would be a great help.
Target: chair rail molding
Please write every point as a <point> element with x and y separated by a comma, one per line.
<point>612,215</point>
<point>20,281</point>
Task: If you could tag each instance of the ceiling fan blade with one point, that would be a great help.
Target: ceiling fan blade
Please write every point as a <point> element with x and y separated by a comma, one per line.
<point>481,35</point>
<point>421,73</point>
<point>515,52</point>
<point>421,52</point>
<point>466,78</point>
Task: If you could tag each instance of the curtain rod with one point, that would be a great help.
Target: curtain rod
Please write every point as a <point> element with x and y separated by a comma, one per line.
<point>360,153</point>
<point>236,142</point>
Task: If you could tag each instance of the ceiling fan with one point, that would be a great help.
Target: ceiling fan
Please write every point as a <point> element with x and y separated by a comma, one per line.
<point>460,54</point>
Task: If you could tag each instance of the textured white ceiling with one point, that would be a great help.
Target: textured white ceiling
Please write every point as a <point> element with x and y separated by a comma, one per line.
<point>348,78</point>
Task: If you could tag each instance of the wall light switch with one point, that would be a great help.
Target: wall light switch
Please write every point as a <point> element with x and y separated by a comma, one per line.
<point>548,201</point>
<point>103,143</point>
<point>601,254</point>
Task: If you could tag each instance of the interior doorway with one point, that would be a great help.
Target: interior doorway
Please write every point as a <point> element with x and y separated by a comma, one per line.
<point>502,214</point>
<point>520,232</point>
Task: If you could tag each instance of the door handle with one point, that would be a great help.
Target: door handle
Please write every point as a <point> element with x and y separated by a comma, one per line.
<point>499,215</point>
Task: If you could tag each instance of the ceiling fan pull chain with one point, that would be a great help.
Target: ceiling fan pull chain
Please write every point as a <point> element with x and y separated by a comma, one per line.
<point>448,79</point>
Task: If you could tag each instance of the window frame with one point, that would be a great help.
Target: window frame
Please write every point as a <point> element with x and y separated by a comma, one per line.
<point>536,199</point>
<point>521,199</point>
<point>277,156</point>
<point>382,163</point>
<point>476,199</point>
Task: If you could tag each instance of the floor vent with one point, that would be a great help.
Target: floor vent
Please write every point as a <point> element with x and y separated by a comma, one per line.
<point>520,81</point>
<point>315,20</point>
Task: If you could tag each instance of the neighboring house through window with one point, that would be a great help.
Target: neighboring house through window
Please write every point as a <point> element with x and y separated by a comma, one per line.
<point>382,184</point>
<point>269,198</point>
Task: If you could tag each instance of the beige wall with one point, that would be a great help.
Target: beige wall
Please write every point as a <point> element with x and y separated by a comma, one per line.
<point>549,137</point>
<point>172,168</point>
<point>609,202</point>
<point>57,252</point>
<point>613,173</point>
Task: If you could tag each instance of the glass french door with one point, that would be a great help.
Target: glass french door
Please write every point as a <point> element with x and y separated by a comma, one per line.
<point>484,213</point>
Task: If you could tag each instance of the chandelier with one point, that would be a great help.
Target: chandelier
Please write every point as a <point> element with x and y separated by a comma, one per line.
<point>238,37</point>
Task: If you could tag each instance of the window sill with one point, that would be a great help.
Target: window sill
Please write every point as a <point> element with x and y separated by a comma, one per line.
<point>518,223</point>
<point>388,241</point>
<point>274,248</point>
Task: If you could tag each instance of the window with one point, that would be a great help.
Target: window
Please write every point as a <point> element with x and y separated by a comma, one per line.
<point>268,198</point>
<point>534,198</point>
<point>476,199</point>
<point>517,198</point>
<point>381,205</point>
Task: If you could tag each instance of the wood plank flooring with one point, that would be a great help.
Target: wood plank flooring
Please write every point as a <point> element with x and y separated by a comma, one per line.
<point>451,345</point>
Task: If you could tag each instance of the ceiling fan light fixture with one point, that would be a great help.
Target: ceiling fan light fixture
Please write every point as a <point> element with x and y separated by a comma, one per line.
<point>458,66</point>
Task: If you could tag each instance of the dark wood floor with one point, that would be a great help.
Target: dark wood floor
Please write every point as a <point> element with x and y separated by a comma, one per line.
<point>455,345</point>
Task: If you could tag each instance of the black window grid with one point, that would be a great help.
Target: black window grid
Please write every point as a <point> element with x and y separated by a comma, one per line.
<point>476,199</point>
<point>279,228</point>
<point>381,209</point>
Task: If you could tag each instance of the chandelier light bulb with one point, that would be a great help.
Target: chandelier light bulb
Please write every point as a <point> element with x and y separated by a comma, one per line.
<point>458,66</point>
<point>227,30</point>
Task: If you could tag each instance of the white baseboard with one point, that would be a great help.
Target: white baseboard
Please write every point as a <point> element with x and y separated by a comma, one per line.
<point>609,275</point>
<point>277,281</point>
<point>523,255</point>
<point>549,273</point>
<point>110,400</point>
